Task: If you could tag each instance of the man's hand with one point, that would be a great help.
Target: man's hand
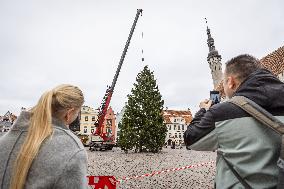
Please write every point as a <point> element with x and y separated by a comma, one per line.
<point>206,104</point>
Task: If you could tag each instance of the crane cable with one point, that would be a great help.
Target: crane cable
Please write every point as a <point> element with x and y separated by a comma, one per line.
<point>142,40</point>
<point>142,51</point>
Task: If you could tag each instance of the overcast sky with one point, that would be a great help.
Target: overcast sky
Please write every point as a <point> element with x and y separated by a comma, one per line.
<point>47,43</point>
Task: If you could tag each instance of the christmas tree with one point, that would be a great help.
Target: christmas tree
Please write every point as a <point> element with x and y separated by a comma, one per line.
<point>142,127</point>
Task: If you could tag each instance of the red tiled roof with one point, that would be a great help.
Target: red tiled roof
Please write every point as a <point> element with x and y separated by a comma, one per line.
<point>186,115</point>
<point>274,61</point>
<point>167,119</point>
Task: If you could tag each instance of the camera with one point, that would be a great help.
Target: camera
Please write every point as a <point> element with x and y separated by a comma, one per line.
<point>215,97</point>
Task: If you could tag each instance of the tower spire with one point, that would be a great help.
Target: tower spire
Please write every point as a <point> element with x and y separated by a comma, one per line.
<point>214,59</point>
<point>210,42</point>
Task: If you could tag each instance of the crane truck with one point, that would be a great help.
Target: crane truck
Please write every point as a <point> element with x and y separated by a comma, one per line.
<point>100,139</point>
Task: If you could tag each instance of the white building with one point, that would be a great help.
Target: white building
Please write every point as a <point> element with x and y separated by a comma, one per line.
<point>119,117</point>
<point>176,122</point>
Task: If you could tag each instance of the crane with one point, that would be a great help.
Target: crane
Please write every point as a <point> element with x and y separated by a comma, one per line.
<point>101,140</point>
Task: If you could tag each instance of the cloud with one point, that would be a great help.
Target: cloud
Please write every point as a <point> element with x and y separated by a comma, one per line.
<point>44,44</point>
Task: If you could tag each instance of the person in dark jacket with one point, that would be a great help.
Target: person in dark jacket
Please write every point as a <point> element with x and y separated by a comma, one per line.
<point>40,151</point>
<point>250,147</point>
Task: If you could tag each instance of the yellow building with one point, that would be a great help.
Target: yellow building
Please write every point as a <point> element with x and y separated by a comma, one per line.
<point>87,120</point>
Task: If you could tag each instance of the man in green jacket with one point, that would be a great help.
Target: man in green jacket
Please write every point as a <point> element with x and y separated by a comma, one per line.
<point>250,147</point>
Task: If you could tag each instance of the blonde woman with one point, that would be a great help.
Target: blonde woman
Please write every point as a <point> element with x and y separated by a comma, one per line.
<point>40,151</point>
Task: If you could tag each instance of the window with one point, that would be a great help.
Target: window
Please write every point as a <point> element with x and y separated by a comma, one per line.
<point>86,118</point>
<point>182,127</point>
<point>108,122</point>
<point>93,118</point>
<point>85,130</point>
<point>179,127</point>
<point>175,120</point>
<point>180,135</point>
<point>176,135</point>
<point>170,127</point>
<point>175,127</point>
<point>92,130</point>
<point>109,130</point>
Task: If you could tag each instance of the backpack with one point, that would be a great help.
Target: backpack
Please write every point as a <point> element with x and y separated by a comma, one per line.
<point>270,121</point>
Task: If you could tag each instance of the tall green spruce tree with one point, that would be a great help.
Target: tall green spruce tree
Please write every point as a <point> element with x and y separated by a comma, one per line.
<point>142,127</point>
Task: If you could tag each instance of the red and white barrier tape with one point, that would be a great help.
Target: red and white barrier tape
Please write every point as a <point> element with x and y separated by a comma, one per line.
<point>124,179</point>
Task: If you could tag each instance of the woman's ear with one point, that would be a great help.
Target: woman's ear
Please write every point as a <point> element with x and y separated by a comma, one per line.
<point>69,115</point>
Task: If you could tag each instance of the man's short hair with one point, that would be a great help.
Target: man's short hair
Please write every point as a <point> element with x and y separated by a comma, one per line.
<point>242,66</point>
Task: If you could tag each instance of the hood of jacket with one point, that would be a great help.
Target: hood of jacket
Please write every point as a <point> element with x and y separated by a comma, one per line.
<point>263,88</point>
<point>23,122</point>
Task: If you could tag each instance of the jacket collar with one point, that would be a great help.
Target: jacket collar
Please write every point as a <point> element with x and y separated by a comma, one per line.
<point>23,121</point>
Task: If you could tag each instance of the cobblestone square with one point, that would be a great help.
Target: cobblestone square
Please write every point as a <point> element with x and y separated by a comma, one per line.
<point>117,163</point>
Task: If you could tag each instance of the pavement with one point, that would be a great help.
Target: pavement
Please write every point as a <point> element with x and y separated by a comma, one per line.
<point>119,164</point>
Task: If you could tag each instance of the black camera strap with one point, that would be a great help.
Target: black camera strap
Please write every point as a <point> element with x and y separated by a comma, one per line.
<point>270,121</point>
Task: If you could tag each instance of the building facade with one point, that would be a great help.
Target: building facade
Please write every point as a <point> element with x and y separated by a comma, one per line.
<point>110,123</point>
<point>7,121</point>
<point>176,123</point>
<point>89,116</point>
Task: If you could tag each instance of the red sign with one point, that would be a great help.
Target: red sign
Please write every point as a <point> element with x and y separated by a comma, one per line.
<point>100,182</point>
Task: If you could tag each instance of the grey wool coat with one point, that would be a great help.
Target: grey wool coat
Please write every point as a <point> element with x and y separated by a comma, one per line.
<point>61,161</point>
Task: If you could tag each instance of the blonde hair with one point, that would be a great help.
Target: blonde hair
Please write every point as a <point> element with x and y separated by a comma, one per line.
<point>51,104</point>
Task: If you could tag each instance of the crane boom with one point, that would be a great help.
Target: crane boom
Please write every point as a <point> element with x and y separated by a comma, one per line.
<point>139,11</point>
<point>110,90</point>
